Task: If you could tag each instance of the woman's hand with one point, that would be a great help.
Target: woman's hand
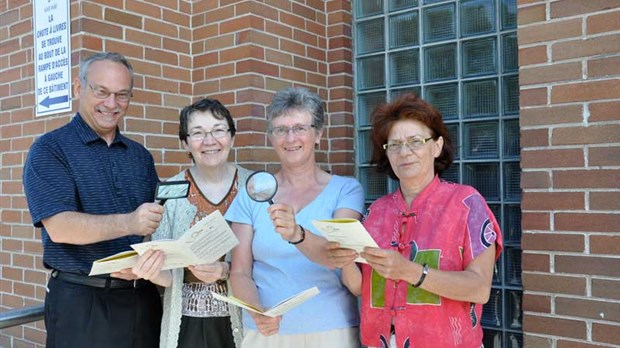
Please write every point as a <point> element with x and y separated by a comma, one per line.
<point>267,326</point>
<point>283,218</point>
<point>211,272</point>
<point>339,257</point>
<point>390,264</point>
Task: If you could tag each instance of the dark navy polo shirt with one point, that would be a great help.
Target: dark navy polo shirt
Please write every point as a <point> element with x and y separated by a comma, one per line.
<point>73,169</point>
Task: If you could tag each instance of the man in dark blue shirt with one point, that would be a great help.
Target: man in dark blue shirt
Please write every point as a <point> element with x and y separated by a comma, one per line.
<point>91,189</point>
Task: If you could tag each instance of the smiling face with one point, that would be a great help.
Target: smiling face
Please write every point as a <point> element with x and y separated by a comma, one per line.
<point>295,149</point>
<point>210,151</point>
<point>103,114</point>
<point>417,166</point>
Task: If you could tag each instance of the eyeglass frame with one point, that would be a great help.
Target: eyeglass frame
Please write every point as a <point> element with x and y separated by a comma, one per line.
<point>298,130</point>
<point>408,142</point>
<point>101,91</point>
<point>224,131</point>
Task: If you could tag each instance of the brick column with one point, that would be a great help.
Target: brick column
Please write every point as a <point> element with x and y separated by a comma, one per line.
<point>570,138</point>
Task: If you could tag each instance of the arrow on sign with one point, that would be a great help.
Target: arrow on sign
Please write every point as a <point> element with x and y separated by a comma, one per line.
<point>56,100</point>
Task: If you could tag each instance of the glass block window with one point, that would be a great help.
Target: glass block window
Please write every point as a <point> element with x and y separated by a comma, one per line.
<point>461,56</point>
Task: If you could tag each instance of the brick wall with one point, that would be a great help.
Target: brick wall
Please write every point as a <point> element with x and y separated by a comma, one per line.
<point>240,52</point>
<point>569,55</point>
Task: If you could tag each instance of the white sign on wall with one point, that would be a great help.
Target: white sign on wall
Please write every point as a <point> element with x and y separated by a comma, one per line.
<point>52,53</point>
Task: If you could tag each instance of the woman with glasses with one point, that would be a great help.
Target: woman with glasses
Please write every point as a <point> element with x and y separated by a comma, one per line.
<point>438,241</point>
<point>277,242</point>
<point>192,317</point>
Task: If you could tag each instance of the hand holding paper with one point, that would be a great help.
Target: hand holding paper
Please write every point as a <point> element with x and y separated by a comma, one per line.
<point>205,242</point>
<point>277,310</point>
<point>349,233</point>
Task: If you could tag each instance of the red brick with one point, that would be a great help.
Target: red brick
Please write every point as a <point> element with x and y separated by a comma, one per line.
<point>161,56</point>
<point>552,158</point>
<point>596,178</point>
<point>129,50</point>
<point>604,111</point>
<point>567,8</point>
<point>605,200</point>
<point>534,137</point>
<point>98,28</point>
<point>606,333</point>
<point>255,66</point>
<point>241,53</point>
<point>240,23</point>
<point>550,73</point>
<point>533,180</point>
<point>534,262</point>
<point>588,265</point>
<point>574,344</point>
<point>556,114</point>
<point>586,91</point>
<point>533,96</point>
<point>162,28</point>
<point>553,242</point>
<point>589,309</point>
<point>123,18</point>
<point>532,14</point>
<point>606,288</point>
<point>535,221</point>
<point>554,326</point>
<point>603,22</point>
<point>178,18</point>
<point>536,341</point>
<point>587,47</point>
<point>604,67</point>
<point>553,283</point>
<point>553,200</point>
<point>549,31</point>
<point>537,303</point>
<point>609,245</point>
<point>584,222</point>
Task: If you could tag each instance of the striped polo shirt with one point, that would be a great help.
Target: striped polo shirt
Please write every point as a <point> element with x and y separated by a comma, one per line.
<point>73,169</point>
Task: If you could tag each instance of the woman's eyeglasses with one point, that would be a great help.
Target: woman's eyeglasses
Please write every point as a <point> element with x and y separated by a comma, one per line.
<point>299,130</point>
<point>201,135</point>
<point>413,143</point>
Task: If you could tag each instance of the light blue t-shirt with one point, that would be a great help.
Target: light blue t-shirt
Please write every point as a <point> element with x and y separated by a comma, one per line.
<point>281,271</point>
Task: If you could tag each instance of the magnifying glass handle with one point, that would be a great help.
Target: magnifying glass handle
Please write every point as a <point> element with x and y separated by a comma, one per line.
<point>271,202</point>
<point>161,202</point>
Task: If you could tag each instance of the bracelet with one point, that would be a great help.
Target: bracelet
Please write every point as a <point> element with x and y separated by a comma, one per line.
<point>303,236</point>
<point>422,277</point>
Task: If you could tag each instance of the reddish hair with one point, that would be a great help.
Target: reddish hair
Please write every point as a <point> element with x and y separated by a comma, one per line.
<point>408,107</point>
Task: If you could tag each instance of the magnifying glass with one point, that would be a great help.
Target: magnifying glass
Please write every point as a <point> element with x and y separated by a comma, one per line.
<point>262,186</point>
<point>171,190</point>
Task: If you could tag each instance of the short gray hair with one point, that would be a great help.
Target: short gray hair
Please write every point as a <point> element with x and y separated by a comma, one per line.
<point>289,99</point>
<point>111,56</point>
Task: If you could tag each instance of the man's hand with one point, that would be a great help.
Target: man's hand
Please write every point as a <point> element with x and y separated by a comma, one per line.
<point>145,220</point>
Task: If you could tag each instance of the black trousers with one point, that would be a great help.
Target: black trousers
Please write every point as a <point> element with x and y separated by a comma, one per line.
<point>206,333</point>
<point>81,316</point>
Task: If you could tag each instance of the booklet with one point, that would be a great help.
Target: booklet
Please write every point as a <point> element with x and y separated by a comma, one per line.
<point>205,242</point>
<point>277,310</point>
<point>350,233</point>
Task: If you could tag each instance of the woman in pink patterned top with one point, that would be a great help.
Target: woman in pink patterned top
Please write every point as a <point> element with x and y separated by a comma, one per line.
<point>438,241</point>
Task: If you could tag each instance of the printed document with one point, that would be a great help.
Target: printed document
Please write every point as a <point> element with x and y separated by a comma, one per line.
<point>350,233</point>
<point>205,242</point>
<point>277,310</point>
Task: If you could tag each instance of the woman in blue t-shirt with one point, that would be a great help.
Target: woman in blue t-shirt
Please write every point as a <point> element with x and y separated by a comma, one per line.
<point>278,241</point>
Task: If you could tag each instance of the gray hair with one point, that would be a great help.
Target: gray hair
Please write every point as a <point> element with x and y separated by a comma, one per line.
<point>111,56</point>
<point>289,99</point>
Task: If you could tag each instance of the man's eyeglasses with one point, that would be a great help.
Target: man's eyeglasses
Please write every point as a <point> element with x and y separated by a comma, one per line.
<point>200,135</point>
<point>299,130</point>
<point>101,93</point>
<point>413,143</point>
